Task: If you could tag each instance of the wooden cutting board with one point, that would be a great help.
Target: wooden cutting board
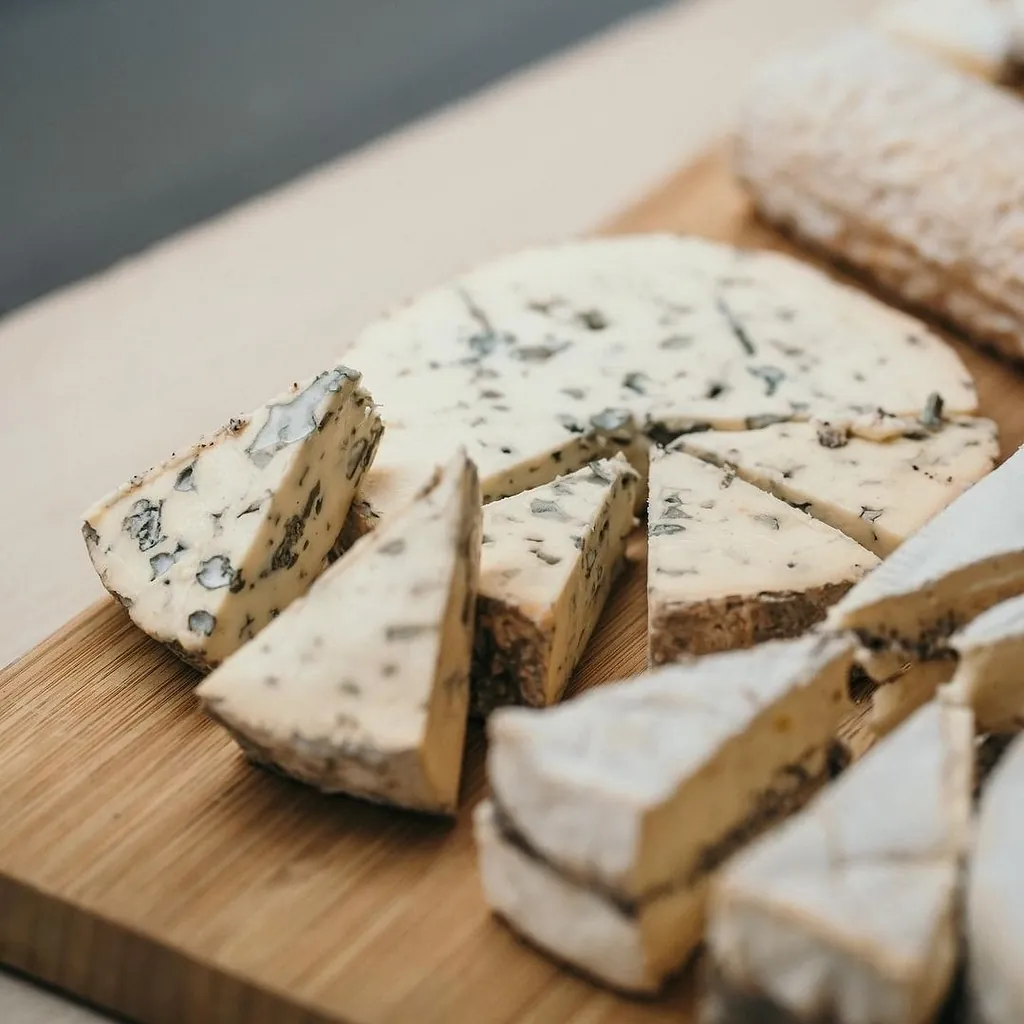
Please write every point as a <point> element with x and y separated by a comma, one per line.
<point>145,867</point>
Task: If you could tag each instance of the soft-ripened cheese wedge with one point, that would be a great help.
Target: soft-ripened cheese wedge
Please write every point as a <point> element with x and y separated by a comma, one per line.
<point>547,564</point>
<point>878,493</point>
<point>729,565</point>
<point>990,674</point>
<point>963,561</point>
<point>618,806</point>
<point>546,359</point>
<point>362,686</point>
<point>995,897</point>
<point>206,548</point>
<point>848,912</point>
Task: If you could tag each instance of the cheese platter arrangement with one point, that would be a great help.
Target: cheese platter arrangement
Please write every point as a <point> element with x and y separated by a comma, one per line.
<point>625,629</point>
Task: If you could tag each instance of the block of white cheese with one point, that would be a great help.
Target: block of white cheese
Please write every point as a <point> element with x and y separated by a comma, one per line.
<point>729,565</point>
<point>610,813</point>
<point>877,492</point>
<point>546,359</point>
<point>995,897</point>
<point>964,560</point>
<point>362,685</point>
<point>206,548</point>
<point>848,912</point>
<point>547,564</point>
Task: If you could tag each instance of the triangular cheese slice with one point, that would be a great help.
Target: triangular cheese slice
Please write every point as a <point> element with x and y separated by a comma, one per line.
<point>623,802</point>
<point>730,565</point>
<point>850,910</point>
<point>878,493</point>
<point>547,564</point>
<point>206,548</point>
<point>995,897</point>
<point>362,686</point>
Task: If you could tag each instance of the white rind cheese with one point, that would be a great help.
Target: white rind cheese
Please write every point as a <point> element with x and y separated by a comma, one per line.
<point>730,566</point>
<point>995,898</point>
<point>878,493</point>
<point>549,557</point>
<point>362,686</point>
<point>549,358</point>
<point>848,912</point>
<point>206,548</point>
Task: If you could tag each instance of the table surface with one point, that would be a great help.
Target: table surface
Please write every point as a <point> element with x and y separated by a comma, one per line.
<point>110,375</point>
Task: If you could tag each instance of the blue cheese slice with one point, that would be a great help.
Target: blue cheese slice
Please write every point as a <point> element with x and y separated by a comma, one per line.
<point>878,493</point>
<point>609,814</point>
<point>730,565</point>
<point>849,912</point>
<point>995,898</point>
<point>362,685</point>
<point>206,548</point>
<point>548,560</point>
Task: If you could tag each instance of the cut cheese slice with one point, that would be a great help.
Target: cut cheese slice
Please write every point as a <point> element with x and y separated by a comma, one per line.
<point>362,686</point>
<point>896,700</point>
<point>995,897</point>
<point>729,565</point>
<point>548,358</point>
<point>638,791</point>
<point>878,493</point>
<point>848,912</point>
<point>548,560</point>
<point>206,548</point>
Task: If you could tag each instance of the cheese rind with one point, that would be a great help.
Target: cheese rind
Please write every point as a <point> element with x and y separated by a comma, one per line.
<point>850,909</point>
<point>730,566</point>
<point>877,493</point>
<point>206,548</point>
<point>362,685</point>
<point>549,557</point>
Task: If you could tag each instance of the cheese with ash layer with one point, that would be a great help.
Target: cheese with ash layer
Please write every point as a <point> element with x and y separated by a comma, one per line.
<point>729,565</point>
<point>549,557</point>
<point>206,548</point>
<point>362,686</point>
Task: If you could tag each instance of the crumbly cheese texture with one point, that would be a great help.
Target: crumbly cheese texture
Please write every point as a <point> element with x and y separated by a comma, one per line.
<point>549,358</point>
<point>995,897</point>
<point>729,565</point>
<point>848,912</point>
<point>362,685</point>
<point>877,492</point>
<point>900,166</point>
<point>206,548</point>
<point>548,560</point>
<point>962,562</point>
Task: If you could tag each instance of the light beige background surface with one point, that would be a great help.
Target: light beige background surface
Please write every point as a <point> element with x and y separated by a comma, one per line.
<point>106,377</point>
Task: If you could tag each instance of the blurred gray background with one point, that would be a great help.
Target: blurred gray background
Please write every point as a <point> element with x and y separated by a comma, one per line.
<point>122,121</point>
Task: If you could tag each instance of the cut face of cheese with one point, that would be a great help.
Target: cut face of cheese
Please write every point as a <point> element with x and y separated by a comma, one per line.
<point>962,562</point>
<point>995,897</point>
<point>549,358</point>
<point>878,493</point>
<point>640,790</point>
<point>206,548</point>
<point>848,912</point>
<point>362,686</point>
<point>894,702</point>
<point>547,564</point>
<point>729,565</point>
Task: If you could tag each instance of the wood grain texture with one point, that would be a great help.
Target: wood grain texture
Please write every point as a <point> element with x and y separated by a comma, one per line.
<point>147,868</point>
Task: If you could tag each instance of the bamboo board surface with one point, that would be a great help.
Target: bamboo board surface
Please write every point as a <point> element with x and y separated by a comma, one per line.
<point>145,867</point>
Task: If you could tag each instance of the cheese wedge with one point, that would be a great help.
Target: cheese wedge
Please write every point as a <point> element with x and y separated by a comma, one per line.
<point>848,912</point>
<point>362,686</point>
<point>549,358</point>
<point>549,557</point>
<point>995,898</point>
<point>895,701</point>
<point>623,802</point>
<point>729,565</point>
<point>206,548</point>
<point>877,493</point>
